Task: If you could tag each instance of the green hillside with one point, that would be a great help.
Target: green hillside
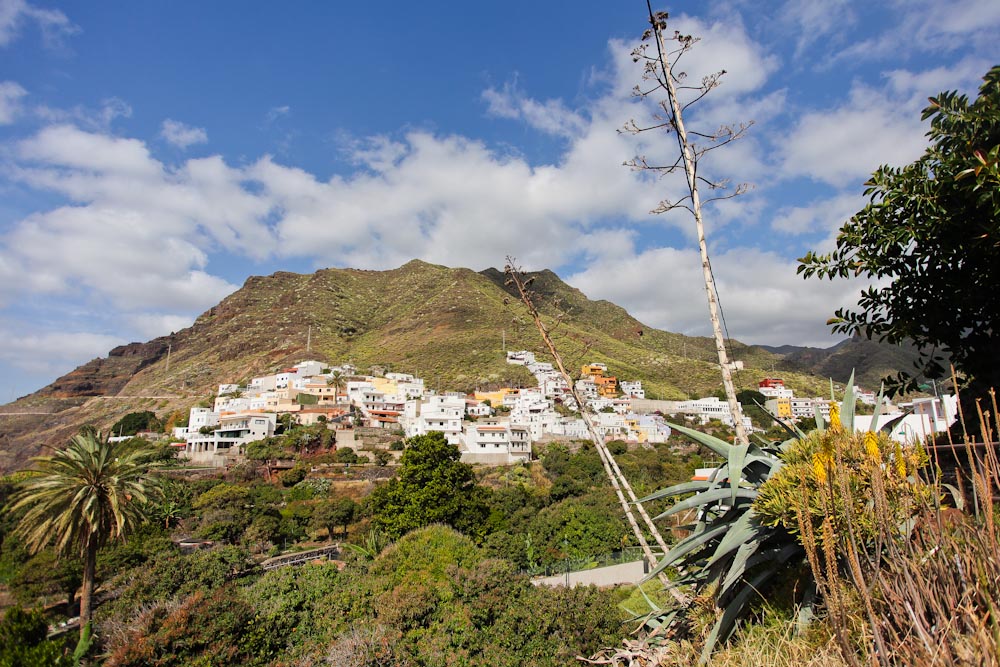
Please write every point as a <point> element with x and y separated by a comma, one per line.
<point>449,326</point>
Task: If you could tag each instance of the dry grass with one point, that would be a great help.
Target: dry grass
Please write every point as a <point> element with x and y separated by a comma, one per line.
<point>771,643</point>
<point>929,592</point>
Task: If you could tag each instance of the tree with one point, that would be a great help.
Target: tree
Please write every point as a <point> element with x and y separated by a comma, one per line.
<point>433,486</point>
<point>929,239</point>
<point>83,497</point>
<point>753,402</point>
<point>341,512</point>
<point>265,450</point>
<point>134,422</point>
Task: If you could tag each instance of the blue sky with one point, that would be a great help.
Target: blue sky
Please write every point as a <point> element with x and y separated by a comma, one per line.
<point>155,155</point>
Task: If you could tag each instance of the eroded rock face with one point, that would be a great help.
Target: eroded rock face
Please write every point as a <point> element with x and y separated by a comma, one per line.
<point>106,377</point>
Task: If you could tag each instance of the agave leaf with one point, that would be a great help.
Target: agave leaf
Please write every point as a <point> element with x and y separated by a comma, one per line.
<point>774,555</point>
<point>873,426</point>
<point>807,610</point>
<point>725,625</point>
<point>820,425</point>
<point>720,447</point>
<point>737,455</point>
<point>740,530</point>
<point>847,407</point>
<point>654,622</point>
<point>684,548</point>
<point>770,460</point>
<point>738,566</point>
<point>792,430</point>
<point>706,498</point>
<point>677,489</point>
<point>956,496</point>
<point>891,424</point>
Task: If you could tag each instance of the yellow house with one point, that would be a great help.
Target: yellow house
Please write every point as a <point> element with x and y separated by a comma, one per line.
<point>606,386</point>
<point>597,370</point>
<point>780,407</point>
<point>385,385</point>
<point>494,397</point>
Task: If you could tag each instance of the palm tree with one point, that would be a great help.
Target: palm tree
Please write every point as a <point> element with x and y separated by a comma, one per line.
<point>81,498</point>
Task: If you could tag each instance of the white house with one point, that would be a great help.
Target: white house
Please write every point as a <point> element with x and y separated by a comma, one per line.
<point>309,368</point>
<point>436,413</point>
<point>712,407</point>
<point>632,388</point>
<point>535,412</point>
<point>807,407</point>
<point>495,442</point>
<point>233,432</point>
<point>261,384</point>
<point>520,358</point>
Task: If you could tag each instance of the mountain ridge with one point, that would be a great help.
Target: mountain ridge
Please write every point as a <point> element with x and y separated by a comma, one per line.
<point>447,325</point>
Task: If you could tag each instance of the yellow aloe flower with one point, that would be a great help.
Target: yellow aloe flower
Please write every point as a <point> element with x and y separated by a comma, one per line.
<point>835,424</point>
<point>900,461</point>
<point>871,445</point>
<point>820,462</point>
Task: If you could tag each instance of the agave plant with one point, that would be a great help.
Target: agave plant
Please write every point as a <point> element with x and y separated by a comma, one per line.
<point>730,553</point>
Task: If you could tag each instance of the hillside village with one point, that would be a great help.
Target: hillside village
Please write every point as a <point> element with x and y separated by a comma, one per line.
<point>495,427</point>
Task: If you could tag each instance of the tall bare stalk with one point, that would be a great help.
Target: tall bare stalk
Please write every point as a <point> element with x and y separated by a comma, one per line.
<point>618,480</point>
<point>661,69</point>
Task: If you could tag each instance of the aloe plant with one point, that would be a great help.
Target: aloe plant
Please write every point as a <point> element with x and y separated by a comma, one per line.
<point>730,553</point>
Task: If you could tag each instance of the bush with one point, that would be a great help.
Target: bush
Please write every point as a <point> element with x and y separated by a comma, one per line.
<point>23,641</point>
<point>617,447</point>
<point>134,422</point>
<point>347,455</point>
<point>293,476</point>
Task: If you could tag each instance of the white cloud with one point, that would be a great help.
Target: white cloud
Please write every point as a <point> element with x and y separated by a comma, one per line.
<point>843,146</point>
<point>916,86</point>
<point>51,352</point>
<point>932,27</point>
<point>816,19</point>
<point>763,300</point>
<point>52,22</point>
<point>153,325</point>
<point>378,153</point>
<point>10,101</point>
<point>550,116</point>
<point>274,113</point>
<point>181,135</point>
<point>98,120</point>
<point>824,216</point>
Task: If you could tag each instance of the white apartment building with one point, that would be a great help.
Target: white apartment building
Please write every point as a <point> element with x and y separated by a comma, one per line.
<point>436,413</point>
<point>232,404</point>
<point>535,412</point>
<point>495,442</point>
<point>231,434</point>
<point>261,384</point>
<point>587,389</point>
<point>521,358</point>
<point>776,392</point>
<point>712,407</point>
<point>632,388</point>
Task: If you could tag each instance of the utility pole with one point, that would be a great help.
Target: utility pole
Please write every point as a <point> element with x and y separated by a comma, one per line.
<point>309,337</point>
<point>170,346</point>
